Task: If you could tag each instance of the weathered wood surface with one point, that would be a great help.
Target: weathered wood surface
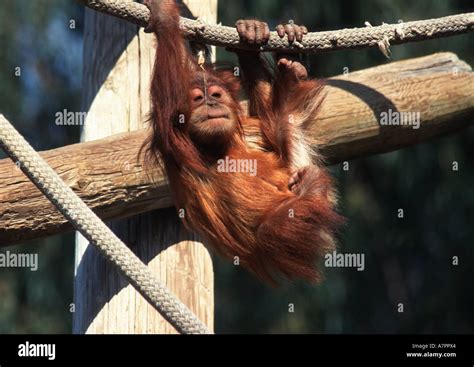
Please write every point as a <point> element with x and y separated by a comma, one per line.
<point>118,63</point>
<point>109,177</point>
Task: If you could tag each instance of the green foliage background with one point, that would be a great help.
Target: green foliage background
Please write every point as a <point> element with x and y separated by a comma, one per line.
<point>408,261</point>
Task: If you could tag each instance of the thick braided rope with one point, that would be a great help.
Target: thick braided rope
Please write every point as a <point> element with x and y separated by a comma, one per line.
<point>316,42</point>
<point>92,228</point>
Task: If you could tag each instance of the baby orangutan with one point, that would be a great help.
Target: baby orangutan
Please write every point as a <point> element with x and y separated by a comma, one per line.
<point>278,218</point>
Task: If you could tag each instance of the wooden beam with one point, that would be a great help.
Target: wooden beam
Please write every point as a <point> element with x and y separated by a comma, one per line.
<point>108,176</point>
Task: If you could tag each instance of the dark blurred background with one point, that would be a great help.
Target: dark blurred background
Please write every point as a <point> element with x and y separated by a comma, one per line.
<point>408,261</point>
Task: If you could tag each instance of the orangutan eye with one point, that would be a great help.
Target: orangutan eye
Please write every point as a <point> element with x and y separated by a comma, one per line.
<point>197,95</point>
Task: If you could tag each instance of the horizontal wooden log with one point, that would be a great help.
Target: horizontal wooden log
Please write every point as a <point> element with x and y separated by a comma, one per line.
<point>108,175</point>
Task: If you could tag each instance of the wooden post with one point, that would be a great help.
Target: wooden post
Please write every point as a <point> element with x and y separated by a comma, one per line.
<point>118,60</point>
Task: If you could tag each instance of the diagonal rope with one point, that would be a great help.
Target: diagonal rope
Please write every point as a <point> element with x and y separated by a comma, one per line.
<point>96,232</point>
<point>316,42</point>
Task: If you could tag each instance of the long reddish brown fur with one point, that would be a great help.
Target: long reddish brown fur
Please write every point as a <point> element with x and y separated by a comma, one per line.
<point>274,231</point>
